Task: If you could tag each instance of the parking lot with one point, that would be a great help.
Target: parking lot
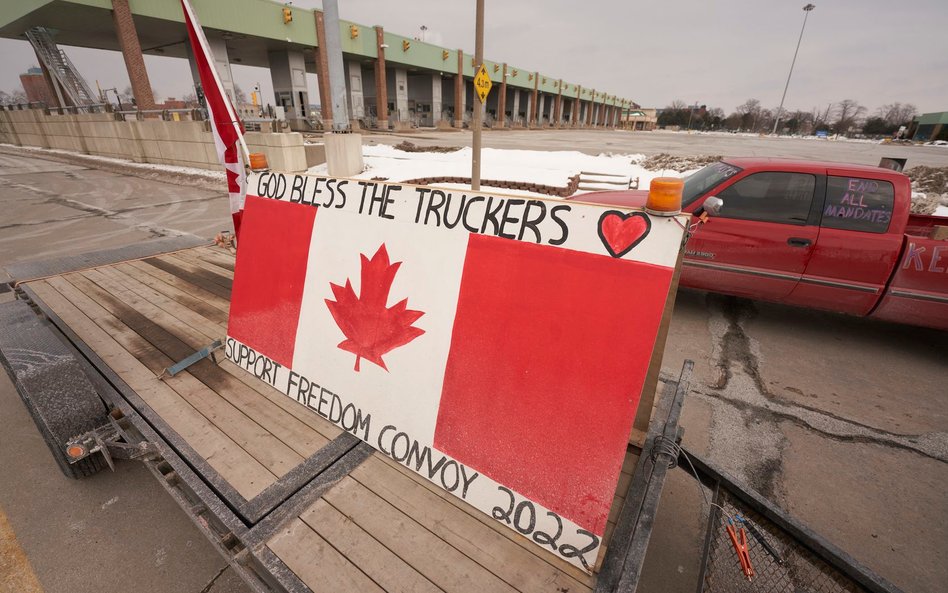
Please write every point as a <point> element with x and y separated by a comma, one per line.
<point>841,421</point>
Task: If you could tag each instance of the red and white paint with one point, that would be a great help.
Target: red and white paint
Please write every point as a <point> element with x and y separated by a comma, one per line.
<point>505,370</point>
<point>226,128</point>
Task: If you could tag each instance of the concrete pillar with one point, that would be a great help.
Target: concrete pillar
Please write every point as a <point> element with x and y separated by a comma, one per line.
<point>515,112</point>
<point>436,107</point>
<point>322,71</point>
<point>132,53</point>
<point>356,96</point>
<point>502,100</point>
<point>288,75</point>
<point>533,101</point>
<point>459,92</point>
<point>401,95</point>
<point>574,119</point>
<point>218,48</point>
<point>558,105</point>
<point>381,85</point>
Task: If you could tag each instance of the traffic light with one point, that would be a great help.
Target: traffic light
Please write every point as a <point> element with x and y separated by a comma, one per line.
<point>406,45</point>
<point>353,31</point>
<point>444,54</point>
<point>287,16</point>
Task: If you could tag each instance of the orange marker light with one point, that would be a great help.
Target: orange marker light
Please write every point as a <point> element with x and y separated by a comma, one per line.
<point>258,161</point>
<point>76,451</point>
<point>664,196</point>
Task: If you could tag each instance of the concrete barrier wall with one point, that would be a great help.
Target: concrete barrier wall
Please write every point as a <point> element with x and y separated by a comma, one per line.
<point>181,143</point>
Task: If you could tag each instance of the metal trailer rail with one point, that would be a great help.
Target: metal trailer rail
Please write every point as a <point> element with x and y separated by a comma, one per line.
<point>786,554</point>
<point>240,532</point>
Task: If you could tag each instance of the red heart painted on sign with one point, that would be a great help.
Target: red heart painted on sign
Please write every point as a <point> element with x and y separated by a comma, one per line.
<point>620,231</point>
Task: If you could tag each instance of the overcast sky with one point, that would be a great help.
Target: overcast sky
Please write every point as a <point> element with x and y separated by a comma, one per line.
<point>718,52</point>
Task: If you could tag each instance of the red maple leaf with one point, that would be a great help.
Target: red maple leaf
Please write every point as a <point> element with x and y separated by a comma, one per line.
<point>371,328</point>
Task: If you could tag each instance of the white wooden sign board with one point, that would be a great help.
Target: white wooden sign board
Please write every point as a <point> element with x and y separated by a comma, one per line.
<point>496,345</point>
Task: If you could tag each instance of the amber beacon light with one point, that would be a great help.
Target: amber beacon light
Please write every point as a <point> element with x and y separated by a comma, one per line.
<point>664,196</point>
<point>258,161</point>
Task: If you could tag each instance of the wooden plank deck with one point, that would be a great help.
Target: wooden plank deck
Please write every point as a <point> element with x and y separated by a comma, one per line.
<point>381,528</point>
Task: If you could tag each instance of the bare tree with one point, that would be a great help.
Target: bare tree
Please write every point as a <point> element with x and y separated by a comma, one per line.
<point>733,121</point>
<point>677,105</point>
<point>848,114</point>
<point>14,97</point>
<point>240,95</point>
<point>750,113</point>
<point>896,114</point>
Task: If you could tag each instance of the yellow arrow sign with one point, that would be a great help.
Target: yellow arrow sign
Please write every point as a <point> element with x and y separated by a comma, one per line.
<point>482,83</point>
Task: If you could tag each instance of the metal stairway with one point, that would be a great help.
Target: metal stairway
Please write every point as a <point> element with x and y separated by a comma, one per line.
<point>60,68</point>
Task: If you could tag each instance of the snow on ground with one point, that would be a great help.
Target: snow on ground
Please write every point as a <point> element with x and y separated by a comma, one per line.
<point>941,211</point>
<point>530,166</point>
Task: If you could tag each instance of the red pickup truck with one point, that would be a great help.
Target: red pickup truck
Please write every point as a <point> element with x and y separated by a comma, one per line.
<point>814,234</point>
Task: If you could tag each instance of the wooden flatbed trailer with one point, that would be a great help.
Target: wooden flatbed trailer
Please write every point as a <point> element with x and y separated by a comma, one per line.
<point>292,502</point>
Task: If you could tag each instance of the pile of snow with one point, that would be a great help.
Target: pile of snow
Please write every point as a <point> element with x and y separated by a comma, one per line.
<point>528,166</point>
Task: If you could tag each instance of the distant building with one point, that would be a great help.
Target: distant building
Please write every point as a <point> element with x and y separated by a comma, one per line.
<point>37,91</point>
<point>931,126</point>
<point>172,103</point>
<point>639,119</point>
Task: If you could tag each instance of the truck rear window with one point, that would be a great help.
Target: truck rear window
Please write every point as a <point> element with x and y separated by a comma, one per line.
<point>858,204</point>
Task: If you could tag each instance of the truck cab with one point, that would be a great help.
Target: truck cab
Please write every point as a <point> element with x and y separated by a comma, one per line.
<point>825,235</point>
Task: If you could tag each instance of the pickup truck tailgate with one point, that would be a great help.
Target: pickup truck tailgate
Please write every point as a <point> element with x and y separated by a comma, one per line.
<point>918,290</point>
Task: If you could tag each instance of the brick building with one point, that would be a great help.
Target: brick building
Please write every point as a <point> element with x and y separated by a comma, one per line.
<point>34,84</point>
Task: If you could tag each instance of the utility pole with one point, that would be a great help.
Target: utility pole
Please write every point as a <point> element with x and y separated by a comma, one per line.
<point>478,60</point>
<point>806,13</point>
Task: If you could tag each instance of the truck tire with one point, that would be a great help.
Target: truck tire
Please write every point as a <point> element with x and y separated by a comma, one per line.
<point>57,393</point>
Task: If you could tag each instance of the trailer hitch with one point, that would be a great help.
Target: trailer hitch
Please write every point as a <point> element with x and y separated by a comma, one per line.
<point>111,440</point>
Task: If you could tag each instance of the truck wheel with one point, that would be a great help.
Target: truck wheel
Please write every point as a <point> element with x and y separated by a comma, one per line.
<point>52,384</point>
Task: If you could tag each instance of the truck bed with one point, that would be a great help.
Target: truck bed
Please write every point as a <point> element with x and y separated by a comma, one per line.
<point>317,508</point>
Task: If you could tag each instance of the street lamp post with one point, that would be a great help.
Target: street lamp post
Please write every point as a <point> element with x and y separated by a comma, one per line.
<point>806,13</point>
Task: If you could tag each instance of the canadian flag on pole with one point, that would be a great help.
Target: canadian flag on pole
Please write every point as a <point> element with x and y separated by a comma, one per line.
<point>225,125</point>
<point>496,345</point>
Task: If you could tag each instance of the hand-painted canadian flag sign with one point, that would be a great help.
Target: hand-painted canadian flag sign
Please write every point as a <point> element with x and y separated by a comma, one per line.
<point>496,345</point>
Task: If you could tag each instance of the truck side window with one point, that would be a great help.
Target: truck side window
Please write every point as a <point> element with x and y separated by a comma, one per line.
<point>857,204</point>
<point>770,197</point>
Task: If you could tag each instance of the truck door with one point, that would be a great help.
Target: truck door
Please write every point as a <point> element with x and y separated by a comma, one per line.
<point>857,248</point>
<point>760,243</point>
